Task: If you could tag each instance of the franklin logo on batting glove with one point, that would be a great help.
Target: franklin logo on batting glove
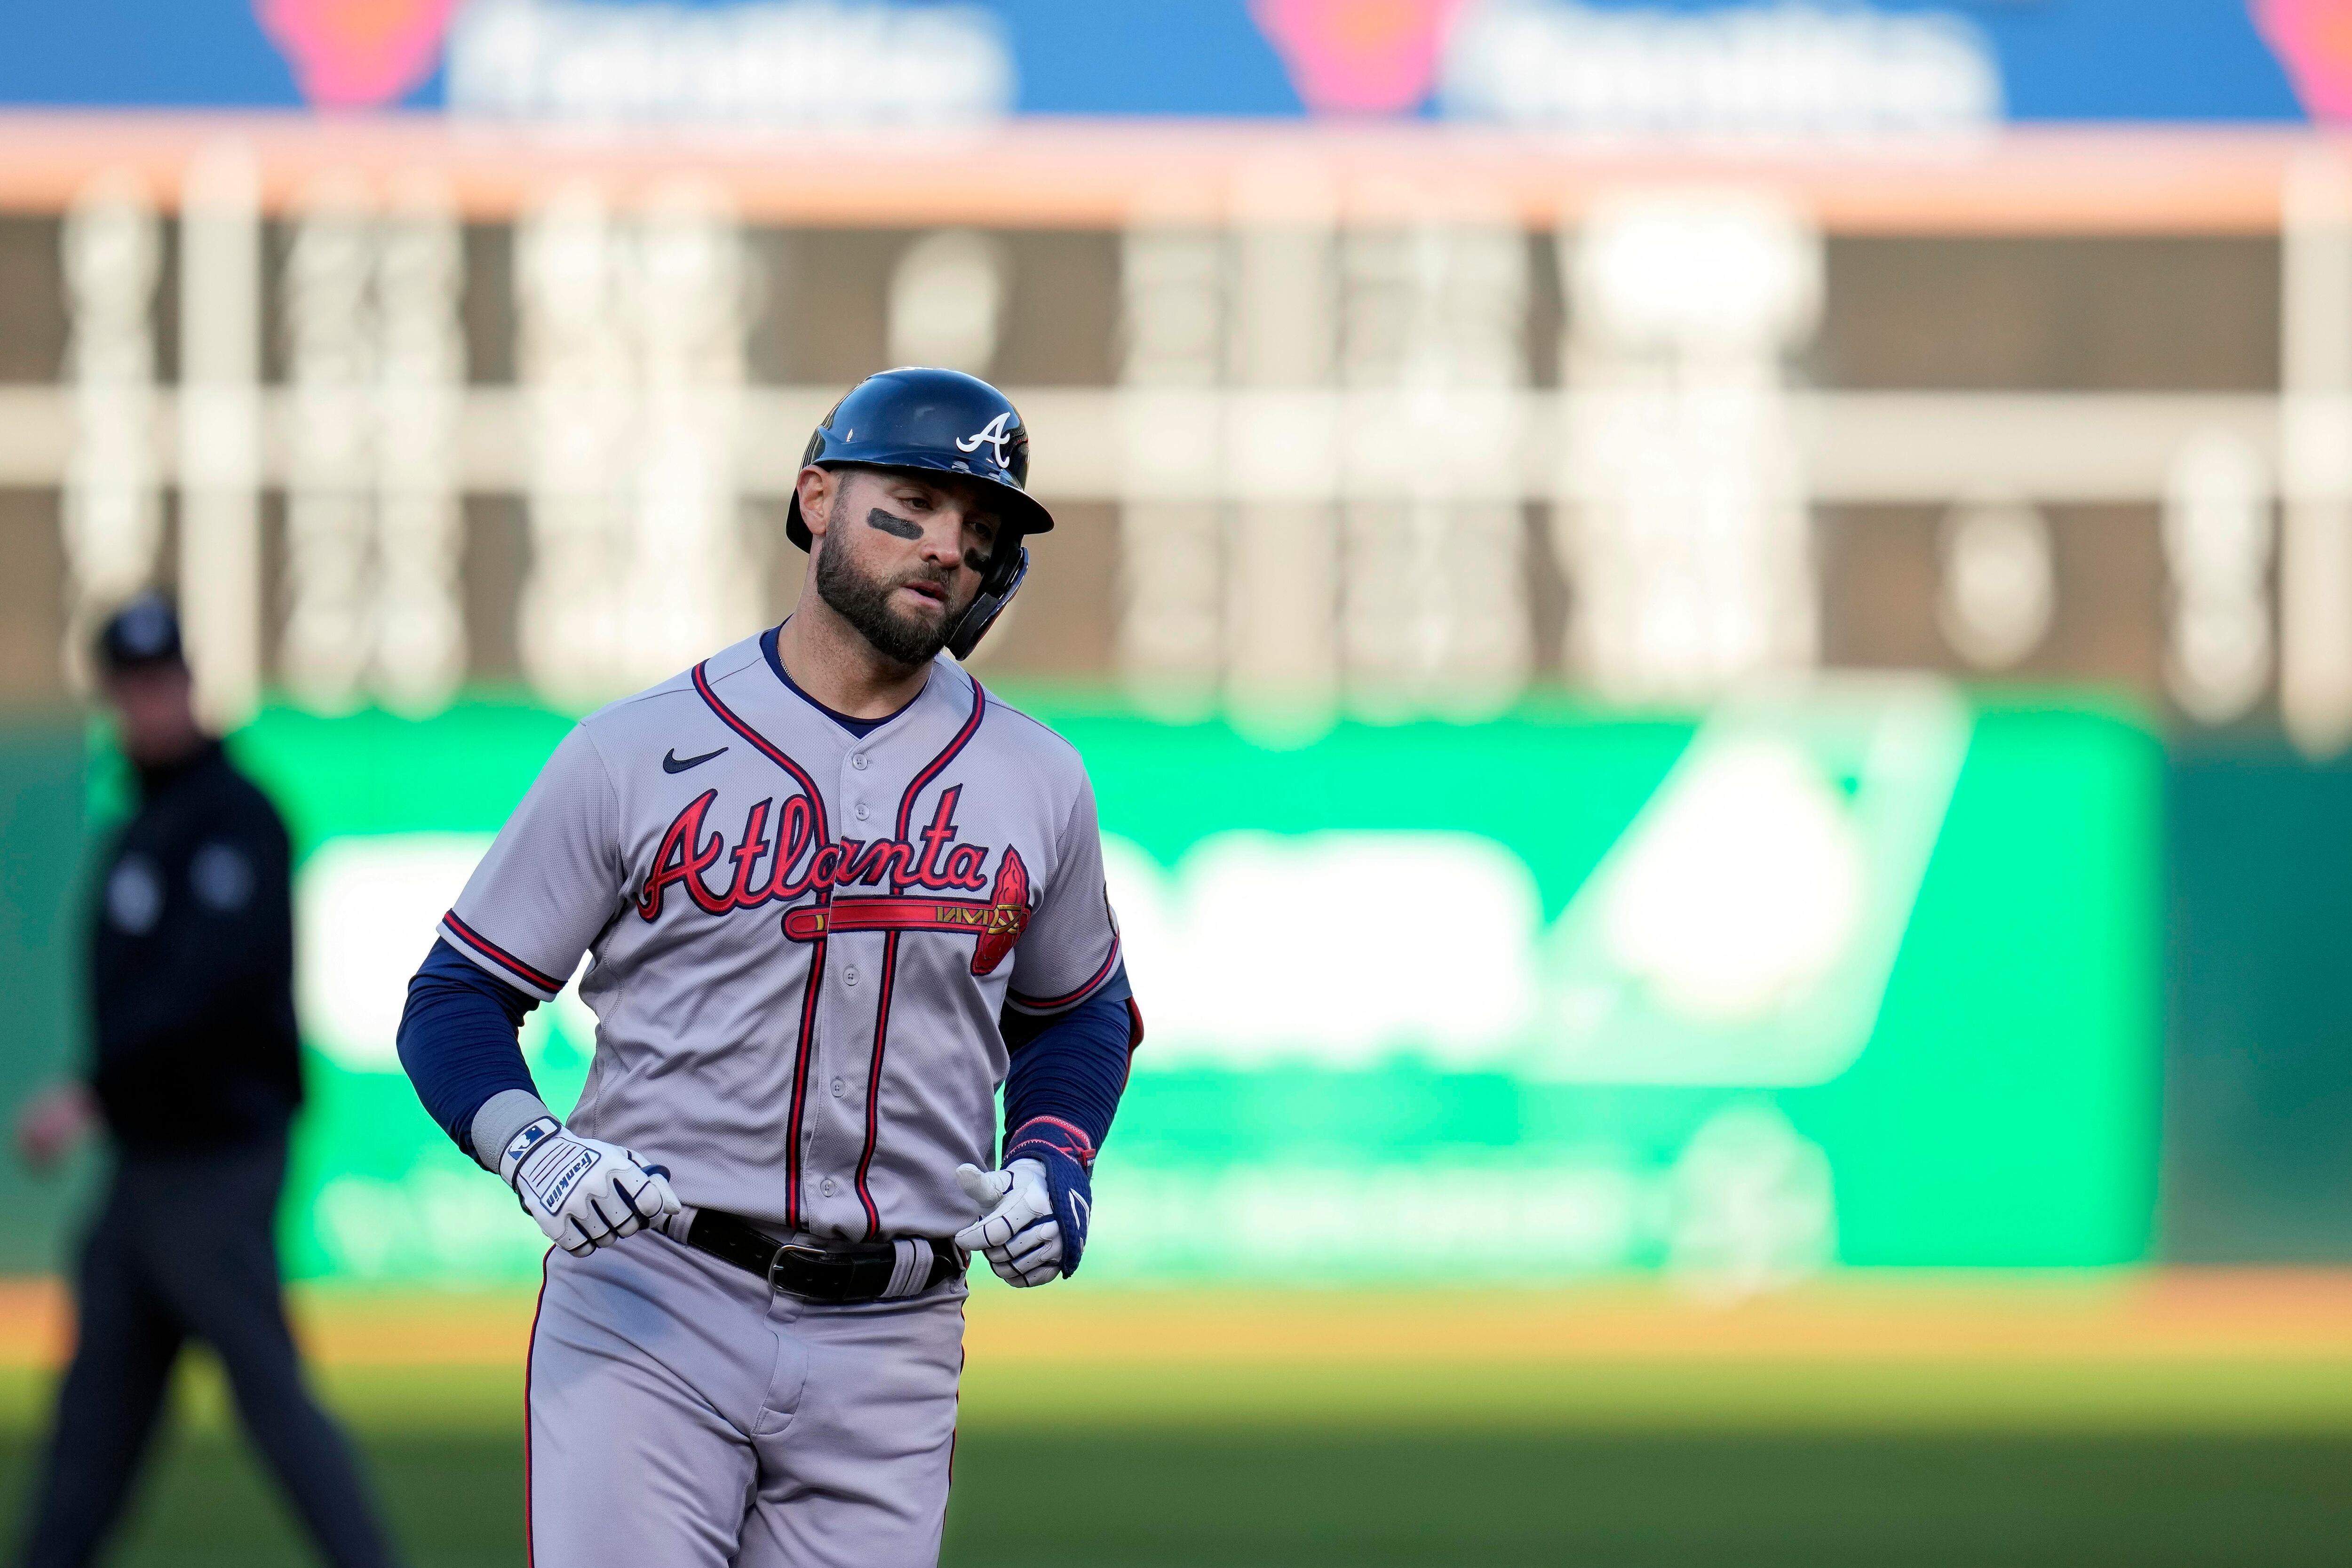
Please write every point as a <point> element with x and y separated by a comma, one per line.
<point>584,1193</point>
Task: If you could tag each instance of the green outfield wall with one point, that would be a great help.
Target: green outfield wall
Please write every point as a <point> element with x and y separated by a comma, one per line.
<point>1868,975</point>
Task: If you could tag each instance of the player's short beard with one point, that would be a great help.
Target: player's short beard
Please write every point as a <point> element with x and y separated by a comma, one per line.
<point>865,603</point>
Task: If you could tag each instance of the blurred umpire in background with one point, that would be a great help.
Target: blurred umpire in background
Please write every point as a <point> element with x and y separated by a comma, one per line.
<point>194,1074</point>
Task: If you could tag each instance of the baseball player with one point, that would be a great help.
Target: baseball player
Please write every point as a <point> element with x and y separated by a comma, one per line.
<point>834,896</point>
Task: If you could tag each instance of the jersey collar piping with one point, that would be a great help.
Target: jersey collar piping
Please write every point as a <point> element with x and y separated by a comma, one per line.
<point>857,729</point>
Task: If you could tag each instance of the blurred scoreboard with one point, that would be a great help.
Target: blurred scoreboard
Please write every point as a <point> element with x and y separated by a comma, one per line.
<point>1365,419</point>
<point>1864,975</point>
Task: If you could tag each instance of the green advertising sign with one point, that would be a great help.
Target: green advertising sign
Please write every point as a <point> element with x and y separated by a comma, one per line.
<point>1862,975</point>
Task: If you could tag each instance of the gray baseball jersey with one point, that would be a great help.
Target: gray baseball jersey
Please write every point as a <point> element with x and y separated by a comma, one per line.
<point>803,938</point>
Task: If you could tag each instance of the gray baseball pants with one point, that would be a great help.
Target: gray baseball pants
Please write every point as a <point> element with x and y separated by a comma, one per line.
<point>682,1413</point>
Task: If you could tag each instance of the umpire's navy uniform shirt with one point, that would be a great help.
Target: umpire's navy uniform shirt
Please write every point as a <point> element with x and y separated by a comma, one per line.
<point>192,971</point>
<point>192,974</point>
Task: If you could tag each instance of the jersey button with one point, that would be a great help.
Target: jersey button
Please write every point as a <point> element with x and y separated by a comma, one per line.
<point>858,761</point>
<point>827,1188</point>
<point>839,1088</point>
<point>861,811</point>
<point>849,976</point>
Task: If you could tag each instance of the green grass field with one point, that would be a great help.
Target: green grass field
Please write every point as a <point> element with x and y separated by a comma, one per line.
<point>1252,1496</point>
<point>1668,1459</point>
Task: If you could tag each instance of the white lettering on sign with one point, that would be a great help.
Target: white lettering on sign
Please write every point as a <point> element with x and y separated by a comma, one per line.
<point>803,62</point>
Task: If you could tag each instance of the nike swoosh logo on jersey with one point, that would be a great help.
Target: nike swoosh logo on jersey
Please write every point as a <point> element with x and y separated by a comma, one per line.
<point>673,764</point>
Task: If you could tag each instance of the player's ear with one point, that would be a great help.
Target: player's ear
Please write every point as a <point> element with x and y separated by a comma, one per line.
<point>817,487</point>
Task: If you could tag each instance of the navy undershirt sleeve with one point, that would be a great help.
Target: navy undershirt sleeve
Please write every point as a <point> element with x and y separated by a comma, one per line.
<point>1072,1065</point>
<point>460,1039</point>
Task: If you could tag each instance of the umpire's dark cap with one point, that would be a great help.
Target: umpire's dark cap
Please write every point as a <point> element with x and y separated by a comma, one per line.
<point>143,634</point>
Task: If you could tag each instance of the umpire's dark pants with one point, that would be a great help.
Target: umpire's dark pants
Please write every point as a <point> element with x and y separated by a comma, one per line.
<point>184,1248</point>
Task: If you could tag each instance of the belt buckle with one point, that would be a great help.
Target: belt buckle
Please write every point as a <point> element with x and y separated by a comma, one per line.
<point>799,1249</point>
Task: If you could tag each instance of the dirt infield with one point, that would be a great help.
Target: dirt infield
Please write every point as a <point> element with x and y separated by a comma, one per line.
<point>2281,1315</point>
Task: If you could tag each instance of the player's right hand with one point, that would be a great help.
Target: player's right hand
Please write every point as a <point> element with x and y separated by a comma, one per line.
<point>584,1193</point>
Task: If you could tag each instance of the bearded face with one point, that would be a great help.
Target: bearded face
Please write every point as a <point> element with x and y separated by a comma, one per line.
<point>874,571</point>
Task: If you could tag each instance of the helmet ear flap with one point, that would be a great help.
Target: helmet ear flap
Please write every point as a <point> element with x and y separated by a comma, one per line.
<point>996,591</point>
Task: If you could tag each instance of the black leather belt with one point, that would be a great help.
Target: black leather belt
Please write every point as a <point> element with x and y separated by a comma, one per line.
<point>842,1275</point>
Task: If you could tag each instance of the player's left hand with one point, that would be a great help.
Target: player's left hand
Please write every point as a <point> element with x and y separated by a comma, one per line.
<point>1017,1231</point>
<point>1033,1225</point>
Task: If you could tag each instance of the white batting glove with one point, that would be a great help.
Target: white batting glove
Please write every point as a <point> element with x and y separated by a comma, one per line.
<point>1017,1231</point>
<point>584,1193</point>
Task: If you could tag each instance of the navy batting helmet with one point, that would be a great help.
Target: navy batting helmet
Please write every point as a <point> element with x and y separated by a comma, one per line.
<point>926,421</point>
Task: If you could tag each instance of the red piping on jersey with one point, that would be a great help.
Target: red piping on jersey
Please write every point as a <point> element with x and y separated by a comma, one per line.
<point>923,779</point>
<point>1071,999</point>
<point>499,955</point>
<point>801,1051</point>
<point>890,965</point>
<point>873,1086</point>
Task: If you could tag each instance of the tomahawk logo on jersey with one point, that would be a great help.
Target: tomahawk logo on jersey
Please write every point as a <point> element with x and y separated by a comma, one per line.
<point>788,1005</point>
